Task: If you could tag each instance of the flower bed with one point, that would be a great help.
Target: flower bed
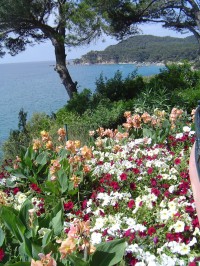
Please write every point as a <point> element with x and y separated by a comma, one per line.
<point>124,199</point>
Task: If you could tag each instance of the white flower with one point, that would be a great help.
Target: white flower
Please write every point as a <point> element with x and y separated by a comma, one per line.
<point>186,129</point>
<point>164,214</point>
<point>192,242</point>
<point>179,135</point>
<point>95,238</point>
<point>21,197</point>
<point>98,224</point>
<point>184,249</point>
<point>179,226</point>
<point>196,231</point>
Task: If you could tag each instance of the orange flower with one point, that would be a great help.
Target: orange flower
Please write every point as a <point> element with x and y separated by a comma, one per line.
<point>76,180</point>
<point>136,120</point>
<point>61,132</point>
<point>55,166</point>
<point>86,152</point>
<point>86,168</point>
<point>67,247</point>
<point>146,117</point>
<point>45,136</point>
<point>127,114</point>
<point>46,260</point>
<point>36,144</point>
<point>70,145</point>
<point>49,145</point>
<point>77,144</point>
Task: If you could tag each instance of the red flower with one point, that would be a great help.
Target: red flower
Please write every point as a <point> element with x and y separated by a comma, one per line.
<point>136,171</point>
<point>177,161</point>
<point>123,176</point>
<point>68,206</point>
<point>15,190</point>
<point>150,170</point>
<point>155,191</point>
<point>131,203</point>
<point>114,185</point>
<point>132,186</point>
<point>153,182</point>
<point>35,188</point>
<point>2,254</point>
<point>151,231</point>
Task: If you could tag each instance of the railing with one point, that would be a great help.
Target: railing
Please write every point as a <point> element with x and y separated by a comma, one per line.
<point>197,144</point>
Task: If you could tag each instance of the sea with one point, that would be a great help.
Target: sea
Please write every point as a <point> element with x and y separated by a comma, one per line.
<point>36,87</point>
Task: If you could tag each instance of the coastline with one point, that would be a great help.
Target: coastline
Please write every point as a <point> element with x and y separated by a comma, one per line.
<point>138,64</point>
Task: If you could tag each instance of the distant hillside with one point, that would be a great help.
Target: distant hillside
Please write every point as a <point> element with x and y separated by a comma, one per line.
<point>145,48</point>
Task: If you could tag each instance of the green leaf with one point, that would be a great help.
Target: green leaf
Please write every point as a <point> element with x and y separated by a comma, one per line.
<point>2,237</point>
<point>109,253</point>
<point>24,212</point>
<point>36,249</point>
<point>42,158</point>
<point>47,238</point>
<point>63,180</point>
<point>57,223</point>
<point>13,223</point>
<point>17,264</point>
<point>78,261</point>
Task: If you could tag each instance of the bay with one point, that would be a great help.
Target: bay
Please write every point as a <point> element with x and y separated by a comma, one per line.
<point>36,87</point>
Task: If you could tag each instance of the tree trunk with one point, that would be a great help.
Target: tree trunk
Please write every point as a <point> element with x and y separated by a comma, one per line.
<point>61,68</point>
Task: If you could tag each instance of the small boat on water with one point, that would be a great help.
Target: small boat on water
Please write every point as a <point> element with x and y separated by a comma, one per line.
<point>194,163</point>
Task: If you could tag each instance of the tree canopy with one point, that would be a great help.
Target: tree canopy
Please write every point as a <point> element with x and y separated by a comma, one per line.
<point>124,16</point>
<point>64,23</point>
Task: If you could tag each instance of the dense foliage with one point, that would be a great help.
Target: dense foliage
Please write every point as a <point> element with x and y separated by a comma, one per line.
<point>123,200</point>
<point>145,48</point>
<point>175,85</point>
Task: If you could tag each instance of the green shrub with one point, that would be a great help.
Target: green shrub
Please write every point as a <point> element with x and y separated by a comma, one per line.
<point>80,102</point>
<point>176,76</point>
<point>118,88</point>
<point>190,97</point>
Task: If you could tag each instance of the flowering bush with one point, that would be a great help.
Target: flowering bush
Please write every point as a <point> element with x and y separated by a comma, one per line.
<point>122,200</point>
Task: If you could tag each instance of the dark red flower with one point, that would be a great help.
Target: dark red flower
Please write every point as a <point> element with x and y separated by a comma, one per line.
<point>123,176</point>
<point>150,170</point>
<point>35,188</point>
<point>151,231</point>
<point>132,186</point>
<point>131,203</point>
<point>15,190</point>
<point>155,191</point>
<point>68,205</point>
<point>114,185</point>
<point>2,254</point>
<point>136,171</point>
<point>177,161</point>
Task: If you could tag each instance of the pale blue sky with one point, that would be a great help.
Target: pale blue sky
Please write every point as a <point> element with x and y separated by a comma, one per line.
<point>45,51</point>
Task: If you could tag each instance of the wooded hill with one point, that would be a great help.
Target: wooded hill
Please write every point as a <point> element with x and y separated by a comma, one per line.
<point>143,49</point>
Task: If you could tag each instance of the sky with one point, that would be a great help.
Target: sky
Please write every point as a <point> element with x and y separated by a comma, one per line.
<point>45,51</point>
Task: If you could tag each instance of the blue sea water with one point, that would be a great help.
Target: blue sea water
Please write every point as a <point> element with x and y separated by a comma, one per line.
<point>36,87</point>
